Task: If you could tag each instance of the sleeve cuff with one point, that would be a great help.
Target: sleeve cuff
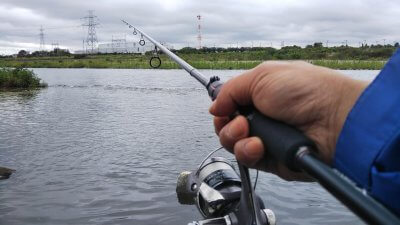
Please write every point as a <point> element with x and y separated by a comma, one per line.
<point>370,125</point>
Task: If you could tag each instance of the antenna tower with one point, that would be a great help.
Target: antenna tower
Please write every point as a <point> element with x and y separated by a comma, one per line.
<point>91,23</point>
<point>41,35</point>
<point>199,31</point>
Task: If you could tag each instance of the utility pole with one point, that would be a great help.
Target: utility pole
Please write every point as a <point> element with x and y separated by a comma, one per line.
<point>41,35</point>
<point>327,42</point>
<point>91,23</point>
<point>83,46</point>
<point>55,45</point>
<point>199,37</point>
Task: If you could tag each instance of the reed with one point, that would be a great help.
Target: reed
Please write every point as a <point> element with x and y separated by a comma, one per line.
<point>350,64</point>
<point>11,78</point>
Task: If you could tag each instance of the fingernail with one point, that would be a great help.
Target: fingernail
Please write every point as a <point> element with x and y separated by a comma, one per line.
<point>249,159</point>
<point>212,107</point>
<point>234,130</point>
<point>243,146</point>
<point>251,154</point>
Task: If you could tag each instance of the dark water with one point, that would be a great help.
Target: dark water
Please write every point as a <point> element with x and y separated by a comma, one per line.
<point>106,147</point>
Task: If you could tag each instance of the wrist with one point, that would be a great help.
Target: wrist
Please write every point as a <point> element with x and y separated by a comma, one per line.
<point>351,90</point>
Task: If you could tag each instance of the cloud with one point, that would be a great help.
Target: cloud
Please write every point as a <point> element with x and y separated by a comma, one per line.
<point>235,22</point>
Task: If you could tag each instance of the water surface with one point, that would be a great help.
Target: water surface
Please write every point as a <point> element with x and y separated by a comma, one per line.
<point>106,147</point>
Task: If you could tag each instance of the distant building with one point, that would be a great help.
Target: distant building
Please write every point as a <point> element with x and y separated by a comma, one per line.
<point>121,46</point>
<point>125,47</point>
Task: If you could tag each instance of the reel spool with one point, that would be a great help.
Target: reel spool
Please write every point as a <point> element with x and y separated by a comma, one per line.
<point>214,188</point>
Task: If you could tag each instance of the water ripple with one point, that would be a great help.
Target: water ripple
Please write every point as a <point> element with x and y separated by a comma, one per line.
<point>106,147</point>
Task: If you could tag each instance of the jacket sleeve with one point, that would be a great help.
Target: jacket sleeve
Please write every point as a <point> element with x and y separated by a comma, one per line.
<point>368,148</point>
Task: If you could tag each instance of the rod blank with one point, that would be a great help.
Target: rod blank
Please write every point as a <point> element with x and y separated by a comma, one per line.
<point>364,206</point>
<point>186,66</point>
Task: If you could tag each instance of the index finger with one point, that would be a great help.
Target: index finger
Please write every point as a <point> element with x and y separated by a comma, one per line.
<point>233,93</point>
<point>238,91</point>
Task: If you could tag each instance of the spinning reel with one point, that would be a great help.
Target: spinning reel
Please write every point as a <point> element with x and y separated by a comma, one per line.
<point>221,195</point>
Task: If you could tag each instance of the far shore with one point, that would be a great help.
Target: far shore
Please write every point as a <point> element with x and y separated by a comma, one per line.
<point>126,62</point>
<point>342,58</point>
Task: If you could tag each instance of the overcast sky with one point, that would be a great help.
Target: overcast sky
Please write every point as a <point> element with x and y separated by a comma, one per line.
<point>224,23</point>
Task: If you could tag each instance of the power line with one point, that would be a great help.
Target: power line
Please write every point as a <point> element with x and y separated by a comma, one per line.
<point>34,28</point>
<point>60,28</point>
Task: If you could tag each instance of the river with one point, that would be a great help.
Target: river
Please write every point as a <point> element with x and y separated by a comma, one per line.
<point>106,146</point>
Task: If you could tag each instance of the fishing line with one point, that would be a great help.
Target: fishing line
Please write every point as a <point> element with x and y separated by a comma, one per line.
<point>255,182</point>
<point>208,156</point>
<point>142,42</point>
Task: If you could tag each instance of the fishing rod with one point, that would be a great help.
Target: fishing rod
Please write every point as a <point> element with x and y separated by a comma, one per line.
<point>291,147</point>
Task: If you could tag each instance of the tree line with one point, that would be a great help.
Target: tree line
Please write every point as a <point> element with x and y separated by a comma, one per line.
<point>315,51</point>
<point>310,52</point>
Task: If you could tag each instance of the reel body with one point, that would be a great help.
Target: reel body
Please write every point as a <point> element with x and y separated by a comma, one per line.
<point>216,189</point>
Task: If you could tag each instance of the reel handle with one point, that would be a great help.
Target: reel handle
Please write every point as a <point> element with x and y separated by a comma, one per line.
<point>231,219</point>
<point>214,221</point>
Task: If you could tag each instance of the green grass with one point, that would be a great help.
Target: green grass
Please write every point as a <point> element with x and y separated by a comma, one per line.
<point>201,61</point>
<point>15,78</point>
<point>350,64</point>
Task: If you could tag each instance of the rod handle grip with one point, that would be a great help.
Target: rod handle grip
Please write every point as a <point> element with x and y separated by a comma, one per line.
<point>281,140</point>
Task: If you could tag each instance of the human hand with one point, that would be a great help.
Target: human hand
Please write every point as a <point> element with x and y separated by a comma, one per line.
<point>313,99</point>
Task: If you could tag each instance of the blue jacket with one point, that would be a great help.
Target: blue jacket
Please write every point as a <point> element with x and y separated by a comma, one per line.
<point>368,148</point>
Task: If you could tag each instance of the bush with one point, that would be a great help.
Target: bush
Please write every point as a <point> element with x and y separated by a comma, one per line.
<point>19,78</point>
<point>80,56</point>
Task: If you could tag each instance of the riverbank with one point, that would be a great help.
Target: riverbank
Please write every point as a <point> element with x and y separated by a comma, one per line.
<point>129,61</point>
<point>346,57</point>
<point>16,78</point>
